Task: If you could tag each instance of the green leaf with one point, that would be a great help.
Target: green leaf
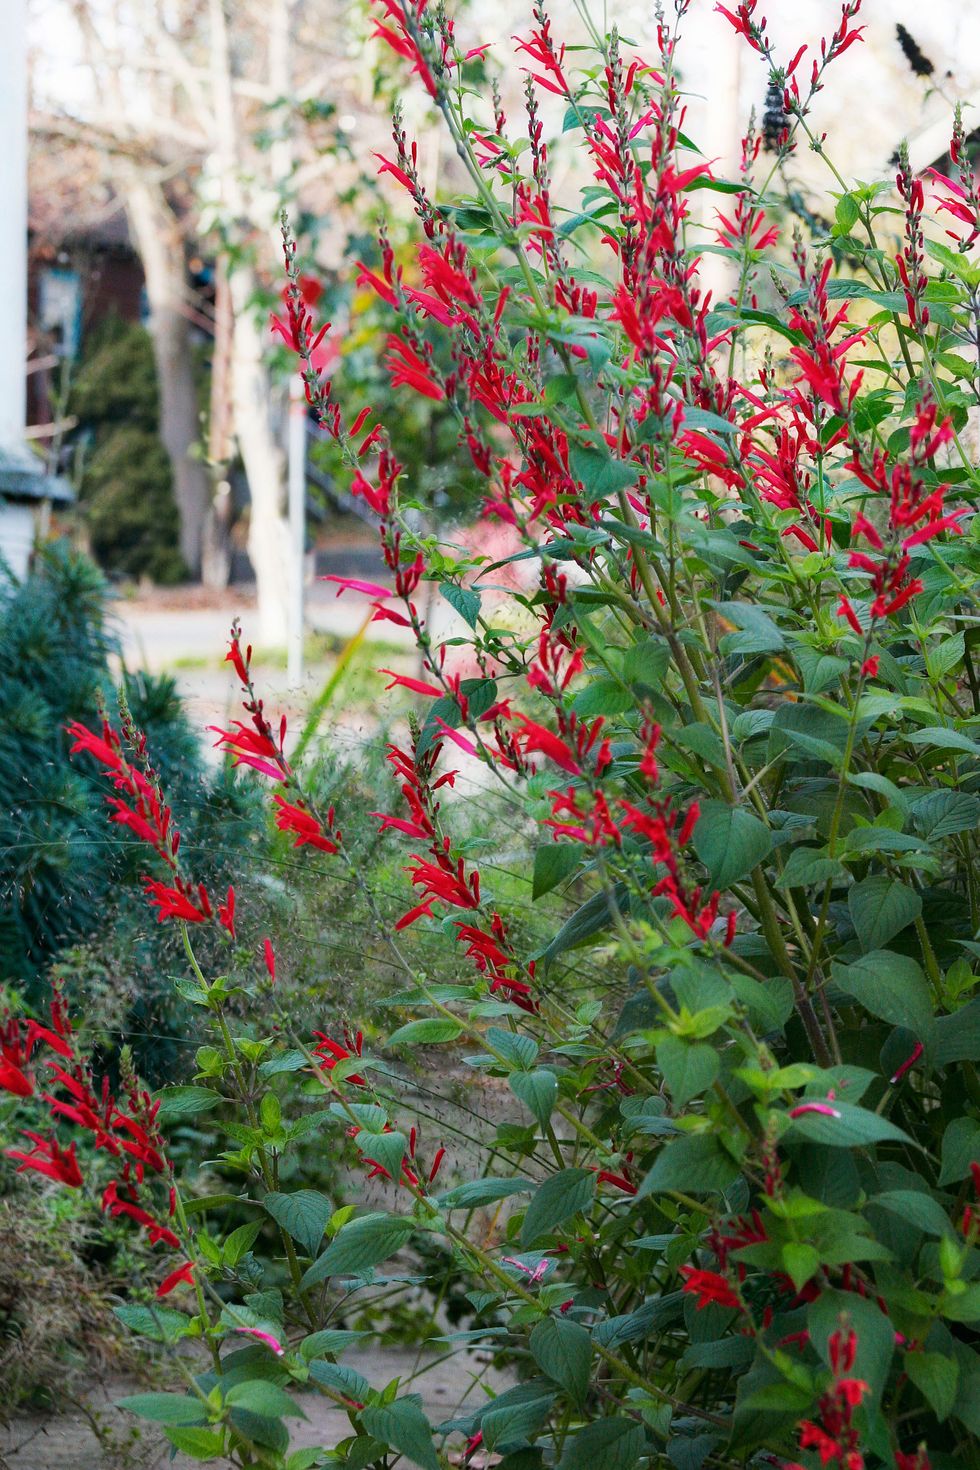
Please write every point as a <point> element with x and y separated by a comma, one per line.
<point>478,1192</point>
<point>159,1324</point>
<point>360,1244</point>
<point>606,1444</point>
<point>563,1350</point>
<point>847,213</point>
<point>703,421</point>
<point>165,1408</point>
<point>600,474</point>
<point>466,601</point>
<point>956,1038</point>
<point>944,813</point>
<point>428,1032</point>
<point>239,1243</point>
<point>403,1425</point>
<point>936,1376</point>
<point>880,908</point>
<point>199,1443</point>
<point>186,1102</point>
<point>646,663</point>
<point>553,863</point>
<point>603,697</point>
<point>555,1200</point>
<point>689,1068</point>
<point>758,633</point>
<point>808,865</point>
<point>696,1164</point>
<point>875,1333</point>
<point>940,737</point>
<point>303,1215</point>
<point>961,1148</point>
<point>917,1208</point>
<point>330,1340</point>
<point>538,1091</point>
<point>800,1262</point>
<point>848,1126</point>
<point>730,841</point>
<point>890,986</point>
<point>515,1047</point>
<point>592,918</point>
<point>259,1396</point>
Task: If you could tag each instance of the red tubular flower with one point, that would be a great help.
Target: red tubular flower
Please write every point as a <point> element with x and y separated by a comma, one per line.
<point>535,737</point>
<point>47,1157</point>
<point>417,686</point>
<point>226,913</point>
<point>407,367</point>
<point>175,903</point>
<point>13,1080</point>
<point>709,1287</point>
<point>308,831</point>
<point>254,748</point>
<point>183,1274</point>
<point>329,1052</point>
<point>269,955</point>
<point>398,35</point>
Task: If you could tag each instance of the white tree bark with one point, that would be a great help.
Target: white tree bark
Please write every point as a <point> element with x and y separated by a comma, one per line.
<point>260,445</point>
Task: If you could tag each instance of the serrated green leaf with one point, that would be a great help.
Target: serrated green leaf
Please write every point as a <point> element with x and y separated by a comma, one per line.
<point>696,1163</point>
<point>428,1032</point>
<point>302,1214</point>
<point>259,1396</point>
<point>606,1444</point>
<point>538,1091</point>
<point>553,863</point>
<point>555,1200</point>
<point>890,986</point>
<point>961,1148</point>
<point>465,600</point>
<point>881,907</point>
<point>479,1192</point>
<point>165,1408</point>
<point>936,1376</point>
<point>563,1350</point>
<point>689,1068</point>
<point>360,1244</point>
<point>730,841</point>
<point>186,1102</point>
<point>403,1425</point>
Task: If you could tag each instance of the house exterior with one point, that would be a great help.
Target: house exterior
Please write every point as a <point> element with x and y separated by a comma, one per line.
<point>27,492</point>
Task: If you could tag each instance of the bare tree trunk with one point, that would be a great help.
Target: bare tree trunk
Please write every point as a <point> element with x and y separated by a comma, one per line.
<point>157,238</point>
<point>216,562</point>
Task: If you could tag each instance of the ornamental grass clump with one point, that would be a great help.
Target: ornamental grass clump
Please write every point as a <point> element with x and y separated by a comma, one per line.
<point>734,1196</point>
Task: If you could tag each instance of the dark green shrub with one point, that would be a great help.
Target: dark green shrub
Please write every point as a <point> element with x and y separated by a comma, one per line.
<point>125,489</point>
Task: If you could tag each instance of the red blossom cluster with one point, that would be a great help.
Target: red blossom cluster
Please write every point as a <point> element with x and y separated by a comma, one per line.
<point>909,262</point>
<point>835,1438</point>
<point>144,812</point>
<point>963,199</point>
<point>127,1133</point>
<point>915,513</point>
<point>262,748</point>
<point>442,878</point>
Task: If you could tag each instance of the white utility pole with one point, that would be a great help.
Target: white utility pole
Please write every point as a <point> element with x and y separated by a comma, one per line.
<point>297,529</point>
